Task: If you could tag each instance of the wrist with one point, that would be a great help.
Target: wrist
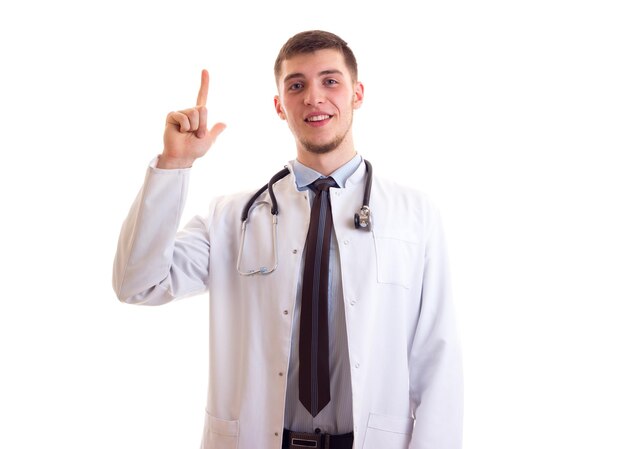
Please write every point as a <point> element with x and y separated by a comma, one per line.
<point>167,162</point>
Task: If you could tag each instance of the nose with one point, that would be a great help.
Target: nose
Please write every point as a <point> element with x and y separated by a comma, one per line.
<point>314,95</point>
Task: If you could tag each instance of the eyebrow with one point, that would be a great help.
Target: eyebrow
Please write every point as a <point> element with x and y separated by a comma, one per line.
<point>322,73</point>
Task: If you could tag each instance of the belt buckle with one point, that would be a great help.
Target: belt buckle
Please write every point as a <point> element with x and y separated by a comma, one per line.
<point>306,440</point>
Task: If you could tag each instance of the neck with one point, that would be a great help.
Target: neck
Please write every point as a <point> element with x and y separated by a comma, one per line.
<point>327,163</point>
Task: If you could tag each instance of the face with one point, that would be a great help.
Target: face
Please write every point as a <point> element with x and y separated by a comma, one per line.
<point>317,97</point>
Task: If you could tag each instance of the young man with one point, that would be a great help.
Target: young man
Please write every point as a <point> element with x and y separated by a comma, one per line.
<point>347,337</point>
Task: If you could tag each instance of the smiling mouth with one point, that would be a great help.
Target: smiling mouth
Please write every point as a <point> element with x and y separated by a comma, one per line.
<point>317,118</point>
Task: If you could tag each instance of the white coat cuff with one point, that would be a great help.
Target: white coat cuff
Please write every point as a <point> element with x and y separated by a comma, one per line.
<point>155,169</point>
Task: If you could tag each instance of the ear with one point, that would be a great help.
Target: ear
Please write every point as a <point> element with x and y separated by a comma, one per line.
<point>359,91</point>
<point>279,107</point>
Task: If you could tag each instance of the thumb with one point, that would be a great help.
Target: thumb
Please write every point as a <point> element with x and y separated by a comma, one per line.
<point>216,131</point>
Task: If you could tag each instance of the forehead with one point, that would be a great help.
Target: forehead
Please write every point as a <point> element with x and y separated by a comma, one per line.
<point>310,65</point>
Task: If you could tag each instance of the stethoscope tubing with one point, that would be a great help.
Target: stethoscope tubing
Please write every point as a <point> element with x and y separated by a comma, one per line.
<point>362,219</point>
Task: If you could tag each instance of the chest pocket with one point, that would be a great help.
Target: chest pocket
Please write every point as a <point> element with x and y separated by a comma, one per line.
<point>398,261</point>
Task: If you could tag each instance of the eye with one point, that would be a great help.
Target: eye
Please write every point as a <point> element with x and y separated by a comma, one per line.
<point>295,86</point>
<point>331,82</point>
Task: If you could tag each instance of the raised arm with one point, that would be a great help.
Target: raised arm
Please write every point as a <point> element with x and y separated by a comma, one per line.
<point>155,263</point>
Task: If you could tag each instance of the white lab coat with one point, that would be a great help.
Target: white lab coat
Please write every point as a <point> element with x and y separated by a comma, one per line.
<point>403,349</point>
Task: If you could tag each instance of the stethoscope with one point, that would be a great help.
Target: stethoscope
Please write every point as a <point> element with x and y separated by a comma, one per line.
<point>361,218</point>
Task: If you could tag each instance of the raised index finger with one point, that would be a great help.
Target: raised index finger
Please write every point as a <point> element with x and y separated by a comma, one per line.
<point>204,89</point>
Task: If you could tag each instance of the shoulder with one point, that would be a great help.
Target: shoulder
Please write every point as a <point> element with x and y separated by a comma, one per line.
<point>230,206</point>
<point>234,203</point>
<point>393,193</point>
<point>400,207</point>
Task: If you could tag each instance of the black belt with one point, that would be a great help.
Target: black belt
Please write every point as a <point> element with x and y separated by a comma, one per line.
<point>300,440</point>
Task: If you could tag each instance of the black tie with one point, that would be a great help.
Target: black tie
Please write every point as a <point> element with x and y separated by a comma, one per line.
<point>314,381</point>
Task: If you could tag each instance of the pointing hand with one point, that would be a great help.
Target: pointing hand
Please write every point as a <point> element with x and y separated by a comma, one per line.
<point>186,136</point>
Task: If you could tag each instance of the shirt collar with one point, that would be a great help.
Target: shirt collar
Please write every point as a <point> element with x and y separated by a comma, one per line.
<point>305,175</point>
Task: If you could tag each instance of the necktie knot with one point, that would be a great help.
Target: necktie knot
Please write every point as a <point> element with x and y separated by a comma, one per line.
<point>322,184</point>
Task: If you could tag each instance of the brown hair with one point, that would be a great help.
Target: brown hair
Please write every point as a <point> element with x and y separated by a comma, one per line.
<point>310,41</point>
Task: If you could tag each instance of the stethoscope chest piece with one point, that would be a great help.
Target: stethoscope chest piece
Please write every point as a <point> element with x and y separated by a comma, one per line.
<point>362,219</point>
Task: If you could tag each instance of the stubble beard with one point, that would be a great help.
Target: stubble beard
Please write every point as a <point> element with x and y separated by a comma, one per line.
<point>326,147</point>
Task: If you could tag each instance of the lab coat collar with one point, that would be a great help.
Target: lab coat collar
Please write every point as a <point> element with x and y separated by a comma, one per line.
<point>358,176</point>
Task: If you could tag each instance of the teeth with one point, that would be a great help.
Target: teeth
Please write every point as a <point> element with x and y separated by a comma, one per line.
<point>318,118</point>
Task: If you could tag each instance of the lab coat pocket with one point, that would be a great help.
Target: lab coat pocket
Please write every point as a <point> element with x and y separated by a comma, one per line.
<point>389,432</point>
<point>220,433</point>
<point>396,261</point>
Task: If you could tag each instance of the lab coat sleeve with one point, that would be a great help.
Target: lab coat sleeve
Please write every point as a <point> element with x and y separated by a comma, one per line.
<point>436,383</point>
<point>154,263</point>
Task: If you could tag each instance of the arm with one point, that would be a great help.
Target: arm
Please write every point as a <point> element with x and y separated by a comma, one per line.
<point>154,264</point>
<point>436,383</point>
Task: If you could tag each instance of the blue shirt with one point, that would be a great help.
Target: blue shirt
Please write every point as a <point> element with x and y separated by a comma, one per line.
<point>336,417</point>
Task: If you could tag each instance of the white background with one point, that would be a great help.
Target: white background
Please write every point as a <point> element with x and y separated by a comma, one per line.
<point>510,115</point>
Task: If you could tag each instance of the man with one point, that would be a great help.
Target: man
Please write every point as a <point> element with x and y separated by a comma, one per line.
<point>342,337</point>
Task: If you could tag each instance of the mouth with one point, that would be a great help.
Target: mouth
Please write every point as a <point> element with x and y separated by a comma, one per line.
<point>318,119</point>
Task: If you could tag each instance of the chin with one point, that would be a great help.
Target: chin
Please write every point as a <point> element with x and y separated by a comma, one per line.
<point>323,148</point>
<point>320,148</point>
